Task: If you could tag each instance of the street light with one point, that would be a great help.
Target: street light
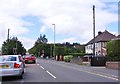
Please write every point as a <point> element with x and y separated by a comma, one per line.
<point>94,30</point>
<point>54,39</point>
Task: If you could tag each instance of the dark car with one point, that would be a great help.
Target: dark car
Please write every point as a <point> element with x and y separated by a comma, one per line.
<point>30,59</point>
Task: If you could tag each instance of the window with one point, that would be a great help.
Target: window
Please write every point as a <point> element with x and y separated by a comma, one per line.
<point>7,58</point>
<point>104,44</point>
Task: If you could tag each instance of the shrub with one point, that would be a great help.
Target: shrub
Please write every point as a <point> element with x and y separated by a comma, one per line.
<point>68,58</point>
<point>76,54</point>
<point>113,50</point>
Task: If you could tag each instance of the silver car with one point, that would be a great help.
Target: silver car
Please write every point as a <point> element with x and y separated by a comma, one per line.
<point>11,65</point>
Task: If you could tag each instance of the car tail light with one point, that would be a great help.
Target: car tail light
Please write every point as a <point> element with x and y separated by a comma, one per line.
<point>26,58</point>
<point>16,65</point>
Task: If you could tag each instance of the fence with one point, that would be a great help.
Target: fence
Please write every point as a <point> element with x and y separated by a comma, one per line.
<point>98,61</point>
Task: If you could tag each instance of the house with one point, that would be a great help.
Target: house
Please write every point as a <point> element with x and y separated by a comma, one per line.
<point>118,36</point>
<point>100,43</point>
<point>0,52</point>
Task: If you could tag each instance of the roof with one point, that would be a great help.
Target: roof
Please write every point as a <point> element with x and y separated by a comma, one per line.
<point>118,36</point>
<point>103,37</point>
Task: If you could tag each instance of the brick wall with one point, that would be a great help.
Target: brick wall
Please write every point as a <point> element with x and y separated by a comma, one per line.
<point>113,65</point>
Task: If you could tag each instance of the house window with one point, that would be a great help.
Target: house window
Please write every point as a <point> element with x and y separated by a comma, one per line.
<point>104,44</point>
<point>91,47</point>
<point>96,45</point>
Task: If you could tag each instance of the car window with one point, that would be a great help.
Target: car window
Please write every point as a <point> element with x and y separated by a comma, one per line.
<point>8,58</point>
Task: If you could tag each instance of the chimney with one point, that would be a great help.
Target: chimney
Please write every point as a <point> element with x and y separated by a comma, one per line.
<point>99,32</point>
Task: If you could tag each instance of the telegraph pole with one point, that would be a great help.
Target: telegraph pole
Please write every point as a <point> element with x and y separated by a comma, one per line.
<point>94,30</point>
<point>8,41</point>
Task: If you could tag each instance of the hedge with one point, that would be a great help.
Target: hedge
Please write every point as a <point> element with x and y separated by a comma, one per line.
<point>68,58</point>
<point>76,54</point>
<point>113,50</point>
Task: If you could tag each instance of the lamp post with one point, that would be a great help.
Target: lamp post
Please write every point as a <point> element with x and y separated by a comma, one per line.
<point>94,30</point>
<point>54,39</point>
<point>8,34</point>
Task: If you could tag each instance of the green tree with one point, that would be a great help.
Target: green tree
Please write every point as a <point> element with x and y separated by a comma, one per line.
<point>60,50</point>
<point>13,46</point>
<point>40,49</point>
<point>113,50</point>
<point>41,40</point>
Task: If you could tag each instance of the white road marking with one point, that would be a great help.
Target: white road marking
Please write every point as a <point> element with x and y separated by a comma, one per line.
<point>94,73</point>
<point>108,74</point>
<point>42,67</point>
<point>101,75</point>
<point>50,74</point>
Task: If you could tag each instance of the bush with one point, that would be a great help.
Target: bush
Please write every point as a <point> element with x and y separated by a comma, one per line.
<point>68,58</point>
<point>76,54</point>
<point>113,50</point>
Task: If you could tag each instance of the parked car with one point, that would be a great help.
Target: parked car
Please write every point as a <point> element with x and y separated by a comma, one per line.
<point>30,59</point>
<point>11,65</point>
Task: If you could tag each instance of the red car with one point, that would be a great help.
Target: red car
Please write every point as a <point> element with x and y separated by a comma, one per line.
<point>30,59</point>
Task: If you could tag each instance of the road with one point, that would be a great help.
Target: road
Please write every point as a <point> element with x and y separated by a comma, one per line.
<point>54,71</point>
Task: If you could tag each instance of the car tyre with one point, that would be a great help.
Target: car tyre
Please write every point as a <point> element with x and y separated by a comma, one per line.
<point>21,76</point>
<point>23,72</point>
<point>34,62</point>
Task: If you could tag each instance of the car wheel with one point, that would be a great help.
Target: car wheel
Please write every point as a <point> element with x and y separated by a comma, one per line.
<point>21,76</point>
<point>23,72</point>
<point>34,61</point>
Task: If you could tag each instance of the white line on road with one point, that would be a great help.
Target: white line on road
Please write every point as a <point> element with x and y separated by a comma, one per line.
<point>108,74</point>
<point>101,75</point>
<point>50,74</point>
<point>113,77</point>
<point>42,67</point>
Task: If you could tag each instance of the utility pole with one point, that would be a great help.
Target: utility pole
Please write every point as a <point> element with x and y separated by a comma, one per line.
<point>54,39</point>
<point>16,46</point>
<point>8,41</point>
<point>94,30</point>
<point>8,34</point>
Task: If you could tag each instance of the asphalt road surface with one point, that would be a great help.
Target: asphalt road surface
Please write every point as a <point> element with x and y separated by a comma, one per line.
<point>54,71</point>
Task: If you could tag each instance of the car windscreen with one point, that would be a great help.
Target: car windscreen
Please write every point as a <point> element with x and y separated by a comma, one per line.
<point>7,58</point>
<point>27,56</point>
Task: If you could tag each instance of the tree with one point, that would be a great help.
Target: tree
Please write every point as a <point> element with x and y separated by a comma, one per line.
<point>41,46</point>
<point>113,50</point>
<point>41,40</point>
<point>40,49</point>
<point>13,46</point>
<point>60,50</point>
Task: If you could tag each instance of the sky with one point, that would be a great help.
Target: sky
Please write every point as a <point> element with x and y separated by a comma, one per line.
<point>73,20</point>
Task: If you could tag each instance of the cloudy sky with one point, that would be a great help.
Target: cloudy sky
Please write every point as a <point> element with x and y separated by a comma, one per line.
<point>27,19</point>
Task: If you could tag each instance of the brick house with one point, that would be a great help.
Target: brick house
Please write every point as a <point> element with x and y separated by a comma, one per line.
<point>100,43</point>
